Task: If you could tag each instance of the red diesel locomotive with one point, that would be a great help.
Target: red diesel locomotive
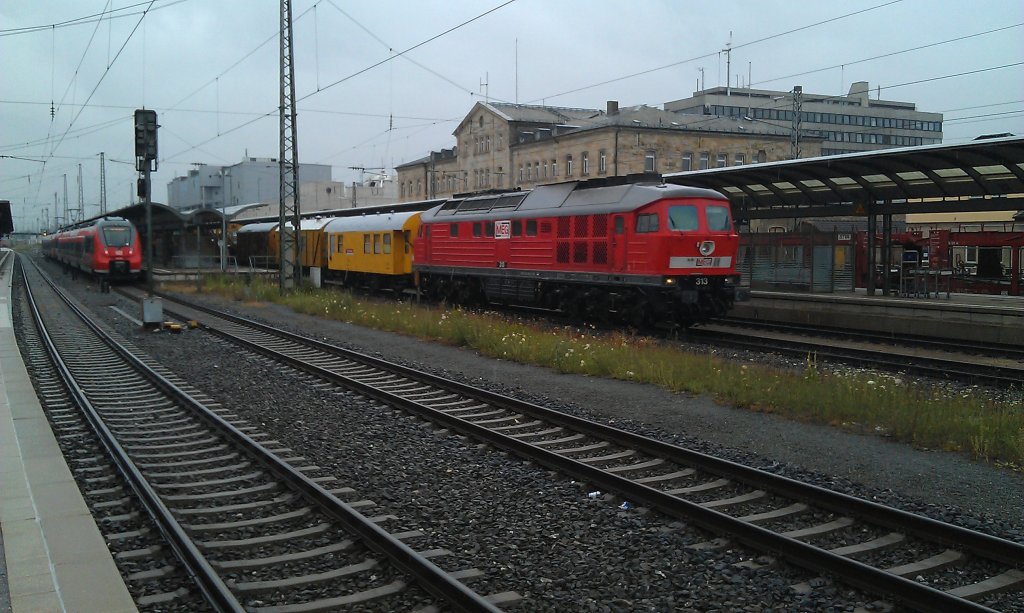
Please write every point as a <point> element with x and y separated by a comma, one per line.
<point>107,248</point>
<point>641,253</point>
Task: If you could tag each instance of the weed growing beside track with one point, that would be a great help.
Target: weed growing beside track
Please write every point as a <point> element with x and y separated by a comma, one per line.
<point>905,410</point>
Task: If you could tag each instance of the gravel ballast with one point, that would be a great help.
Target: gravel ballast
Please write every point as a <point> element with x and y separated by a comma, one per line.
<point>537,532</point>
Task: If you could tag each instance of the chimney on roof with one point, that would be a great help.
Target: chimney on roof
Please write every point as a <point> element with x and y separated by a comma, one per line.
<point>613,107</point>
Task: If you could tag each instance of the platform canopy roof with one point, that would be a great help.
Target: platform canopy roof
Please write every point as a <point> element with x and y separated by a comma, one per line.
<point>982,175</point>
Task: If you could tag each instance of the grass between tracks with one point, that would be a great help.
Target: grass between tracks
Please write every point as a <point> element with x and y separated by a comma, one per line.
<point>885,405</point>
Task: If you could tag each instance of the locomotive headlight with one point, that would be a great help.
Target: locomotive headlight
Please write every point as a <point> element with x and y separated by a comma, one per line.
<point>706,248</point>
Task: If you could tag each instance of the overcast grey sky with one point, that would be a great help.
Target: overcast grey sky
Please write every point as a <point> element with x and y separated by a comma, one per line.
<point>210,70</point>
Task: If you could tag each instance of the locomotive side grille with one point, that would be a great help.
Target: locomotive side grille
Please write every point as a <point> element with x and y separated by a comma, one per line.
<point>600,253</point>
<point>581,226</point>
<point>562,252</point>
<point>545,227</point>
<point>600,227</point>
<point>579,252</point>
<point>563,227</point>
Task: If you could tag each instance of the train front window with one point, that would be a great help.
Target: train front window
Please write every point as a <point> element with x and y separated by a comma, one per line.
<point>718,218</point>
<point>117,236</point>
<point>682,218</point>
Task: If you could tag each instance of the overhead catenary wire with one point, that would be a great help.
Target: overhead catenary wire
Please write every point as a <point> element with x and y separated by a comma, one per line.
<point>416,46</point>
<point>90,18</point>
<point>313,93</point>
<point>715,53</point>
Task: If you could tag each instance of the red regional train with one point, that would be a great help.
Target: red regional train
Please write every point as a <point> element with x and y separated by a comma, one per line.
<point>107,248</point>
<point>641,253</point>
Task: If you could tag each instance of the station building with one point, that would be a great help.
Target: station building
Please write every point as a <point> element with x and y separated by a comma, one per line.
<point>507,146</point>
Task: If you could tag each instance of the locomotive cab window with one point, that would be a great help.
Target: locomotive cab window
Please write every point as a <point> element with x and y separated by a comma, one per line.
<point>718,218</point>
<point>647,223</point>
<point>682,218</point>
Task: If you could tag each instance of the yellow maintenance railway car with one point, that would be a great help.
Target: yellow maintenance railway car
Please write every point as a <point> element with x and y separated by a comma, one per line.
<point>373,251</point>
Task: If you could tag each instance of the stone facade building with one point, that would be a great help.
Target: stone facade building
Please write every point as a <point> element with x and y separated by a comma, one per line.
<point>507,146</point>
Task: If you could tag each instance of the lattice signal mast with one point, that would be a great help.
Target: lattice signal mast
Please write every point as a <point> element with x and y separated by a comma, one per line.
<point>288,224</point>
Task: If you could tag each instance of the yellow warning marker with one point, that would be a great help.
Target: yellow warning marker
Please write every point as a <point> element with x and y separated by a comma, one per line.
<point>193,324</point>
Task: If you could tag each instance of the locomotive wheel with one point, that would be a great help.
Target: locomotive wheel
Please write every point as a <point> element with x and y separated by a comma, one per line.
<point>637,312</point>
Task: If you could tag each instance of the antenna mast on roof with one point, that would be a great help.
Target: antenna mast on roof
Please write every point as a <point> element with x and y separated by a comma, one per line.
<point>728,64</point>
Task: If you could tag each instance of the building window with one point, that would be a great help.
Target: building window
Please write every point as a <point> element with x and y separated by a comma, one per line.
<point>481,121</point>
<point>501,142</point>
<point>705,159</point>
<point>602,162</point>
<point>568,165</point>
<point>687,163</point>
<point>402,186</point>
<point>585,163</point>
<point>723,160</point>
<point>521,173</point>
<point>487,143</point>
<point>554,168</point>
<point>739,160</point>
<point>649,161</point>
<point>545,169</point>
<point>501,177</point>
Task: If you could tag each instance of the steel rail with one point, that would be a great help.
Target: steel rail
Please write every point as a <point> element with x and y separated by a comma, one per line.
<point>429,576</point>
<point>940,368</point>
<point>209,582</point>
<point>910,340</point>
<point>869,578</point>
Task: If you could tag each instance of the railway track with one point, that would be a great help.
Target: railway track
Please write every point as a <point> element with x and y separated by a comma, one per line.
<point>243,524</point>
<point>1001,367</point>
<point>958,346</point>
<point>919,562</point>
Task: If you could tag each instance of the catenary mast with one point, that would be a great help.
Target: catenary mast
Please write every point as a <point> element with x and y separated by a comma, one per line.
<point>288,225</point>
